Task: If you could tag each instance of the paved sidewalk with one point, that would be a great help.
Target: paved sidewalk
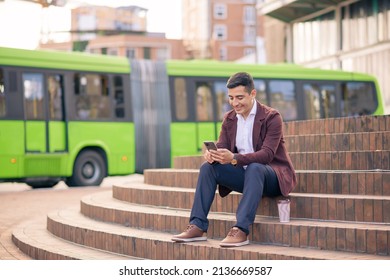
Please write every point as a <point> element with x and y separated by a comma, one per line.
<point>19,203</point>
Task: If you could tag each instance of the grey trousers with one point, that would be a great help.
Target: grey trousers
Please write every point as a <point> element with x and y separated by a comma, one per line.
<point>254,182</point>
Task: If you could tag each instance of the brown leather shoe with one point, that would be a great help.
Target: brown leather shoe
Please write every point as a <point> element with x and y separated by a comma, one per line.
<point>235,238</point>
<point>192,233</point>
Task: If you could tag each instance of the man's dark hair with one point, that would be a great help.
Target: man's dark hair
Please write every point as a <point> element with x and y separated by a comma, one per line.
<point>241,79</point>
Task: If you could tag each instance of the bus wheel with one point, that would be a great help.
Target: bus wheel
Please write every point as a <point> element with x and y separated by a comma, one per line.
<point>89,170</point>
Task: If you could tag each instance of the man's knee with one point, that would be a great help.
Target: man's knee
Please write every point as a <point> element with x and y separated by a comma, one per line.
<point>256,167</point>
<point>206,168</point>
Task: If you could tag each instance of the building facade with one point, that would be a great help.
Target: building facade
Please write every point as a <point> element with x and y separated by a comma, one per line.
<point>223,30</point>
<point>117,31</point>
<point>341,34</point>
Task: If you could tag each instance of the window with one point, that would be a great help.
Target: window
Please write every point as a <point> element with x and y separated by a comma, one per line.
<point>119,97</point>
<point>250,35</point>
<point>220,11</point>
<point>249,15</point>
<point>261,94</point>
<point>181,99</point>
<point>162,54</point>
<point>315,38</point>
<point>220,32</point>
<point>55,91</point>
<point>222,99</point>
<point>249,51</point>
<point>33,96</point>
<point>223,54</point>
<point>320,100</point>
<point>131,53</point>
<point>282,95</point>
<point>204,103</point>
<point>3,108</point>
<point>358,99</point>
<point>112,51</point>
<point>92,99</point>
<point>147,53</point>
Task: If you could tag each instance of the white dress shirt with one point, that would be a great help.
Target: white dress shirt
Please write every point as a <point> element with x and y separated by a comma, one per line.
<point>244,142</point>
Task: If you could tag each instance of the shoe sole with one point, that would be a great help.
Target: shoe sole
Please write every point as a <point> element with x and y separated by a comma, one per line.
<point>246,242</point>
<point>177,239</point>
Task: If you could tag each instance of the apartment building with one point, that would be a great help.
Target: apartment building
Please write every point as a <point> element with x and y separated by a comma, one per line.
<point>352,35</point>
<point>226,30</point>
<point>88,22</point>
<point>117,31</point>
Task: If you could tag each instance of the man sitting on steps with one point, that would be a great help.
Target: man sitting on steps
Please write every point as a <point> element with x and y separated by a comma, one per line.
<point>251,159</point>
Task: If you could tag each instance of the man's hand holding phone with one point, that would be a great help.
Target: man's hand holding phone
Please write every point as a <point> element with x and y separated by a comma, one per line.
<point>213,154</point>
<point>210,146</point>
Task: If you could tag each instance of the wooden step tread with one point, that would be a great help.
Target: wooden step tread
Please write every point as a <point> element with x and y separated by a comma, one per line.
<point>158,245</point>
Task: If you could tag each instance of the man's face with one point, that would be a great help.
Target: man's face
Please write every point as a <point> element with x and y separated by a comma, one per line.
<point>241,101</point>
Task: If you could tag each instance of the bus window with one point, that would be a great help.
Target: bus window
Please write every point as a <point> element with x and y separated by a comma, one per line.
<point>3,110</point>
<point>55,90</point>
<point>223,105</point>
<point>92,99</point>
<point>282,96</point>
<point>261,95</point>
<point>204,103</point>
<point>33,96</point>
<point>181,99</point>
<point>119,97</point>
<point>320,101</point>
<point>358,98</point>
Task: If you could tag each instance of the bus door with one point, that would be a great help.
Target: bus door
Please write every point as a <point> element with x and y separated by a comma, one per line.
<point>206,113</point>
<point>45,130</point>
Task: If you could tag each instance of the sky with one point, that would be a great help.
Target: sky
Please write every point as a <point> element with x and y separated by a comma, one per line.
<point>22,23</point>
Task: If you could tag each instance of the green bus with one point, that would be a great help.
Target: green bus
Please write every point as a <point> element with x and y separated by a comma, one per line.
<point>80,117</point>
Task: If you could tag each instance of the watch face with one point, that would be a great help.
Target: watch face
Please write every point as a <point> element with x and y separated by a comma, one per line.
<point>234,161</point>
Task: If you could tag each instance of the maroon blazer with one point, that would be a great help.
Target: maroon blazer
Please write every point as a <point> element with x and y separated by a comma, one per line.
<point>268,144</point>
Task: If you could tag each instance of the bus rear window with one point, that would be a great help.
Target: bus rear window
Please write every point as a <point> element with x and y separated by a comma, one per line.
<point>320,100</point>
<point>358,98</point>
<point>282,95</point>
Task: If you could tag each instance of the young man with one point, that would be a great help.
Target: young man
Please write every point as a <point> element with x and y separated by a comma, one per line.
<point>251,159</point>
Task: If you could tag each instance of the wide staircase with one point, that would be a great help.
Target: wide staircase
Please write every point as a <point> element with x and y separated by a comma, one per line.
<point>340,208</point>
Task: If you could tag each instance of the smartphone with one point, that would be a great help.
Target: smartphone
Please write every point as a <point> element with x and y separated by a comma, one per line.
<point>210,145</point>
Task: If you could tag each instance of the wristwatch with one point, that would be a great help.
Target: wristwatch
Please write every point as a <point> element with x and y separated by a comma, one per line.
<point>234,160</point>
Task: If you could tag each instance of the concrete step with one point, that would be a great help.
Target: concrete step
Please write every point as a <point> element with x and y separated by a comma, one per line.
<point>33,239</point>
<point>309,181</point>
<point>353,208</point>
<point>71,225</point>
<point>371,238</point>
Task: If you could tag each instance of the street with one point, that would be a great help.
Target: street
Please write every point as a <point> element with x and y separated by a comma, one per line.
<point>19,202</point>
